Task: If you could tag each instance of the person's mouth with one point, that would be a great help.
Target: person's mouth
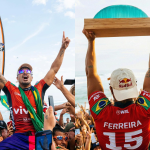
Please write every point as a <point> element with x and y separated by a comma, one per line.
<point>25,78</point>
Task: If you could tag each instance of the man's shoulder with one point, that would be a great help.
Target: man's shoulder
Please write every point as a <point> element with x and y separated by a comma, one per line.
<point>41,84</point>
<point>98,101</point>
<point>144,100</point>
<point>9,86</point>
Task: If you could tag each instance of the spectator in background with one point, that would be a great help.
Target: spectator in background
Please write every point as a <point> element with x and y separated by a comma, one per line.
<point>61,123</point>
<point>72,90</point>
<point>4,133</point>
<point>67,119</point>
<point>70,131</point>
<point>59,136</point>
<point>5,130</point>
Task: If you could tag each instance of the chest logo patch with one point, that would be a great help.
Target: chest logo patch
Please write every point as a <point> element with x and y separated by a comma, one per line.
<point>17,94</point>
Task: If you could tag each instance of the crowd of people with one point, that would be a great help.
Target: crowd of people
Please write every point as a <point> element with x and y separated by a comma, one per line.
<point>85,133</point>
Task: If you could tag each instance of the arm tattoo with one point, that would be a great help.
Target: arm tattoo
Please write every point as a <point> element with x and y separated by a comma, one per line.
<point>46,117</point>
<point>90,66</point>
<point>61,52</point>
<point>148,73</point>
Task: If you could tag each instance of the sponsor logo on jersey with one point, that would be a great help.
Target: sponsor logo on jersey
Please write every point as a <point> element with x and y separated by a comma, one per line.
<point>145,93</point>
<point>123,125</point>
<point>17,94</point>
<point>100,105</point>
<point>97,96</point>
<point>125,83</point>
<point>25,119</point>
<point>118,112</point>
<point>20,110</point>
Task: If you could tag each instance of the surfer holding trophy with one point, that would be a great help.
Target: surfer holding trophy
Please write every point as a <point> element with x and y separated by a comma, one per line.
<point>26,102</point>
<point>126,124</point>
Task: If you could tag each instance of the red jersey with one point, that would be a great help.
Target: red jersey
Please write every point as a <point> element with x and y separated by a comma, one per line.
<point>19,114</point>
<point>121,128</point>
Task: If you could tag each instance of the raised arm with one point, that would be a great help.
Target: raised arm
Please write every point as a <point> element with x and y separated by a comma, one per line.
<point>60,85</point>
<point>57,62</point>
<point>146,85</point>
<point>2,81</point>
<point>93,80</point>
<point>88,141</point>
<point>61,122</point>
<point>62,106</point>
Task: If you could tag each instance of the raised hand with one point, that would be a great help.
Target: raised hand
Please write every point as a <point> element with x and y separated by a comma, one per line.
<point>65,41</point>
<point>66,105</point>
<point>89,133</point>
<point>49,119</point>
<point>58,83</point>
<point>79,115</point>
<point>64,111</point>
<point>10,129</point>
<point>79,139</point>
<point>89,35</point>
<point>84,129</point>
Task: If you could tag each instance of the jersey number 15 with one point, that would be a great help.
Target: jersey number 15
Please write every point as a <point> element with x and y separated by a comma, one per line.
<point>128,138</point>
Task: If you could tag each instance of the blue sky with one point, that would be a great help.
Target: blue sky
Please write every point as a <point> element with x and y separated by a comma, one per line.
<point>112,53</point>
<point>33,33</point>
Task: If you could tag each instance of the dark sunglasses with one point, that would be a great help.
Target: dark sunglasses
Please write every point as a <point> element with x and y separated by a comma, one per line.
<point>60,138</point>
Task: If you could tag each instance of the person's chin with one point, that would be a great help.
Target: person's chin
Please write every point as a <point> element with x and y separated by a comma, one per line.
<point>25,83</point>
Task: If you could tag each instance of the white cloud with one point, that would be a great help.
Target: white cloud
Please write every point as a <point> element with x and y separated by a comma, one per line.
<point>65,4</point>
<point>49,11</point>
<point>30,36</point>
<point>69,3</point>
<point>38,2</point>
<point>59,8</point>
<point>70,14</point>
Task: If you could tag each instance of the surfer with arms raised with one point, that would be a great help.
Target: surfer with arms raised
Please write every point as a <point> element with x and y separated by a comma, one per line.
<point>126,124</point>
<point>26,102</point>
